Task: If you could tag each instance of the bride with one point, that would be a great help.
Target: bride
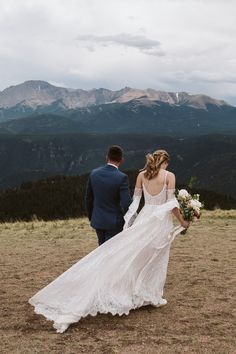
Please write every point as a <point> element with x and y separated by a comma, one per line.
<point>129,270</point>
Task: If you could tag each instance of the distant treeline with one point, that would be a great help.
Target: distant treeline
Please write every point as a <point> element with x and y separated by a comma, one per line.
<point>62,197</point>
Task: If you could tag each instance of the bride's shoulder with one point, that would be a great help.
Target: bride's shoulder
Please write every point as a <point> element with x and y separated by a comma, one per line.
<point>170,174</point>
<point>170,178</point>
<point>140,178</point>
<point>141,175</point>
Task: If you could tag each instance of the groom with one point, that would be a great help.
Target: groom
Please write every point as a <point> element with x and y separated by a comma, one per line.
<point>107,196</point>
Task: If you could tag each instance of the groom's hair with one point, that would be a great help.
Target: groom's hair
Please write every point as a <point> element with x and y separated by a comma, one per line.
<point>115,153</point>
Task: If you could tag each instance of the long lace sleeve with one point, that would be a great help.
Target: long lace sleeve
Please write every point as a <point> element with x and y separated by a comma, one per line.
<point>131,214</point>
<point>170,194</point>
<point>170,197</point>
<point>172,200</point>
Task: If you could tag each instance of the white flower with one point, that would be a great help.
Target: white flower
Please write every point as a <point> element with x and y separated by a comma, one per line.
<point>197,210</point>
<point>183,194</point>
<point>194,203</point>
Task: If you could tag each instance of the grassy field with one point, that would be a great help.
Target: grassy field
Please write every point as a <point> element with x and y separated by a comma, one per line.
<point>200,289</point>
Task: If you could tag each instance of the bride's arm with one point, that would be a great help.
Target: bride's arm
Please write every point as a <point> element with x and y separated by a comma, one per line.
<point>170,191</point>
<point>138,187</point>
<point>131,213</point>
<point>180,218</point>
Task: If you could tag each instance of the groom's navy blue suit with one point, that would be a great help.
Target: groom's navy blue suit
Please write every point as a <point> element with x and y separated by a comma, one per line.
<point>107,200</point>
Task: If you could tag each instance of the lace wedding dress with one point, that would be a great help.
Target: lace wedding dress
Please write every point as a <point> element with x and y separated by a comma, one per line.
<point>124,273</point>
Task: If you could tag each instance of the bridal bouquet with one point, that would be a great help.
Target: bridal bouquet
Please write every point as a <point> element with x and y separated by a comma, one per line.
<point>190,206</point>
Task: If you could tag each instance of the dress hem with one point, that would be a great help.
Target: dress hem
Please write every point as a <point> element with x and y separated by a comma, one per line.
<point>62,320</point>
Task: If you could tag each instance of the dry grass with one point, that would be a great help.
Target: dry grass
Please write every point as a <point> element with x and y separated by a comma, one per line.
<point>200,290</point>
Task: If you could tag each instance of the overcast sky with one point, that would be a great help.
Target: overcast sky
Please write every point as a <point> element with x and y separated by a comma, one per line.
<point>172,45</point>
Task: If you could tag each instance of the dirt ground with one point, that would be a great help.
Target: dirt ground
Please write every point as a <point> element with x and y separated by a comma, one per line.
<point>200,289</point>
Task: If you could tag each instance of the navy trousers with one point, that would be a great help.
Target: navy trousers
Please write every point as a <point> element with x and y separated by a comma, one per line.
<point>105,235</point>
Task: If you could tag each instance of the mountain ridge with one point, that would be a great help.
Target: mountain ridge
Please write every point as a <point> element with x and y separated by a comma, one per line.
<point>26,98</point>
<point>130,117</point>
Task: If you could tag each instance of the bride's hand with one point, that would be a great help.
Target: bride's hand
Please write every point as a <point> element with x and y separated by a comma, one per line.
<point>185,224</point>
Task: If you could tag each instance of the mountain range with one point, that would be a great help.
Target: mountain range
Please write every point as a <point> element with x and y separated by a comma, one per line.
<point>37,107</point>
<point>31,95</point>
<point>47,130</point>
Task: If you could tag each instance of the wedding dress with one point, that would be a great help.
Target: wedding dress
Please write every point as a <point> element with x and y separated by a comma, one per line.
<point>126,272</point>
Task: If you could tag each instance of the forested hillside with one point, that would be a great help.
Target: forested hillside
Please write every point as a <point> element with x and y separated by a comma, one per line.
<point>63,197</point>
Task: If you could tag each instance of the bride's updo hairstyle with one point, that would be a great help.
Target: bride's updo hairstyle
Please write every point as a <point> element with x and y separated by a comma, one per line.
<point>154,162</point>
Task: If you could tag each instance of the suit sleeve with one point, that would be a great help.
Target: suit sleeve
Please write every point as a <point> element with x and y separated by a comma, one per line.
<point>125,198</point>
<point>89,199</point>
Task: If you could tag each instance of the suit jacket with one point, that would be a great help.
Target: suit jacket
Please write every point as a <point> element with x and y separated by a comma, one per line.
<point>107,197</point>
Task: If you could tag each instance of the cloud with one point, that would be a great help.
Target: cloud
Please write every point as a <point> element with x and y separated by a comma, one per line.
<point>141,42</point>
<point>213,77</point>
<point>172,45</point>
